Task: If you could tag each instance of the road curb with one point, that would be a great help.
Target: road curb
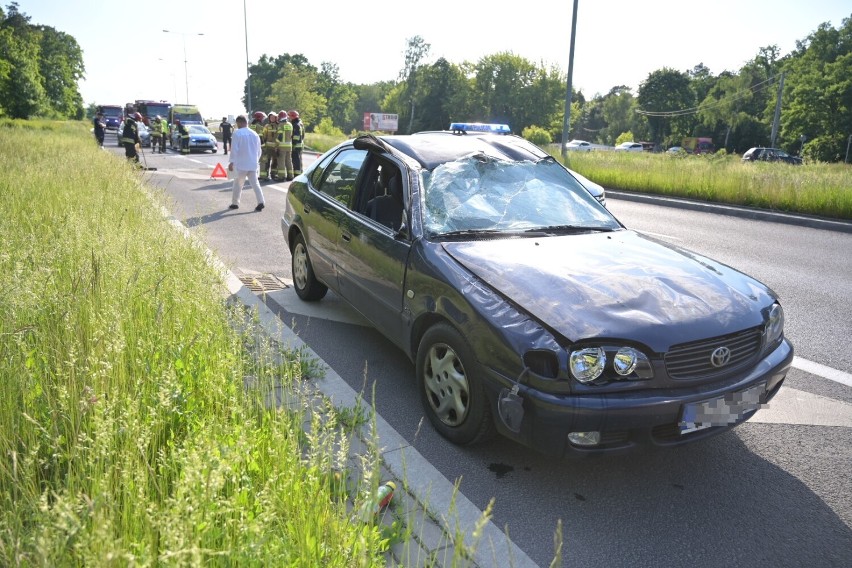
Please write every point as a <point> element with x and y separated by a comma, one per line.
<point>811,221</point>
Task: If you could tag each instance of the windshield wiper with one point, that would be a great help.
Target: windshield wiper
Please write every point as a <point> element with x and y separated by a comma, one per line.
<point>569,229</point>
<point>470,232</point>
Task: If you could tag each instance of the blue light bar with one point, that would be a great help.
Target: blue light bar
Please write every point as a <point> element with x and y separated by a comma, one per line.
<point>480,127</point>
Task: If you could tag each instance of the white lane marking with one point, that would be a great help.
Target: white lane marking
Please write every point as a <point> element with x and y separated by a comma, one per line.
<point>794,406</point>
<point>823,371</point>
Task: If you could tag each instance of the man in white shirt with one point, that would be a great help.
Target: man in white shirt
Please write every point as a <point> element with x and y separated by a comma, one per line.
<point>245,153</point>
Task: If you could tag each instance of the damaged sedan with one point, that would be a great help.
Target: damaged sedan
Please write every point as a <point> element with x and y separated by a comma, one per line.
<point>527,308</point>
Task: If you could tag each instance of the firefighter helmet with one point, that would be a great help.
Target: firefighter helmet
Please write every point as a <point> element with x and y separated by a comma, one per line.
<point>259,115</point>
<point>137,116</point>
<point>282,115</point>
<point>293,114</point>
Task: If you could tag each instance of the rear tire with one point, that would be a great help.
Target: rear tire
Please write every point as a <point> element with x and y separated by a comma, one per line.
<point>308,288</point>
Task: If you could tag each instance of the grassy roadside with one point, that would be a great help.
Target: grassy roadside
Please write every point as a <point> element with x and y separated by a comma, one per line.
<point>816,189</point>
<point>127,434</point>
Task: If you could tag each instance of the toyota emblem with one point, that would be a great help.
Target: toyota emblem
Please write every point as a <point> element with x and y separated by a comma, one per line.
<point>720,357</point>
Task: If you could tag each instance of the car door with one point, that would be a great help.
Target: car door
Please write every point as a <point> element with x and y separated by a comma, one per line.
<point>372,254</point>
<point>331,189</point>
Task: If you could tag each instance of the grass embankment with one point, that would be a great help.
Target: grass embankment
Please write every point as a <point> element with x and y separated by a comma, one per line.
<point>126,433</point>
<point>815,189</point>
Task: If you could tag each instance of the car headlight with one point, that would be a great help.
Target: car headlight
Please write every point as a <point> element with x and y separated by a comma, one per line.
<point>775,325</point>
<point>590,364</point>
<point>587,364</point>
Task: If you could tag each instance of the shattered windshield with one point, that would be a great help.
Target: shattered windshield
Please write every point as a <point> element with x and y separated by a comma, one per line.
<point>484,194</point>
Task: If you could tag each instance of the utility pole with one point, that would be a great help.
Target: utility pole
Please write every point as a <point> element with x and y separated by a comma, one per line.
<point>566,125</point>
<point>777,113</point>
<point>248,67</point>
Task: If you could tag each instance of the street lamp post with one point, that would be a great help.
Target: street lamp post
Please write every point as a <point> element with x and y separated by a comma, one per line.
<point>185,72</point>
<point>248,67</point>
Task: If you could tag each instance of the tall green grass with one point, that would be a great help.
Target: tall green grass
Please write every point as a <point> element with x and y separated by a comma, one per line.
<point>126,431</point>
<point>816,189</point>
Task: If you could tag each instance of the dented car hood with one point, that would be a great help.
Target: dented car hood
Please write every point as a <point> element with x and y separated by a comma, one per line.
<point>619,285</point>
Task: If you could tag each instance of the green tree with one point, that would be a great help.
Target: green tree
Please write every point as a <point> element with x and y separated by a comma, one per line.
<point>817,99</point>
<point>666,99</point>
<point>726,102</point>
<point>61,68</point>
<point>416,51</point>
<point>618,108</point>
<point>21,92</point>
<point>341,98</point>
<point>434,110</point>
<point>265,73</point>
<point>296,88</point>
<point>502,83</point>
<point>546,100</point>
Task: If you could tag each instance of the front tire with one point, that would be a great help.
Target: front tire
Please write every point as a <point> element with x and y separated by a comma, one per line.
<point>308,288</point>
<point>448,377</point>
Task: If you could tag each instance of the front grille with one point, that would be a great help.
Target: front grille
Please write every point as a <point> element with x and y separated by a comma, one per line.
<point>693,360</point>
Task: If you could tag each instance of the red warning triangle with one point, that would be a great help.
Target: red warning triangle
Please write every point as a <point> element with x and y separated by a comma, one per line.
<point>219,172</point>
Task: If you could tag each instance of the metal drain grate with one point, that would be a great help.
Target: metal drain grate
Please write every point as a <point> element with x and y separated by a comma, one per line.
<point>262,282</point>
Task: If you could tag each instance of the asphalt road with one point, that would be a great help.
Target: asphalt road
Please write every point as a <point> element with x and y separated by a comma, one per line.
<point>776,491</point>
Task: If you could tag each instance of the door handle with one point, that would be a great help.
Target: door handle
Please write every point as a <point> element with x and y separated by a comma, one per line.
<point>346,237</point>
<point>307,208</point>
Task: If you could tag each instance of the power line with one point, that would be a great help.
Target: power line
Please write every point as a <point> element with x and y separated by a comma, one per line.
<point>694,110</point>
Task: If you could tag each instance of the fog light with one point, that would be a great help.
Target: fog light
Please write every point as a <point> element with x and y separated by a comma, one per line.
<point>584,438</point>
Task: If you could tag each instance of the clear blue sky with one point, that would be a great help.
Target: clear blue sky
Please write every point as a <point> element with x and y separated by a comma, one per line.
<point>619,42</point>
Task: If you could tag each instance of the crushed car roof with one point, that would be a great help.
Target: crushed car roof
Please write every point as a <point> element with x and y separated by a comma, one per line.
<point>431,149</point>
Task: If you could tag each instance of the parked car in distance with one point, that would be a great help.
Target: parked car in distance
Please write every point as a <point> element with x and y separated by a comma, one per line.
<point>770,155</point>
<point>200,139</point>
<point>629,147</point>
<point>579,146</point>
<point>677,150</point>
<point>526,307</point>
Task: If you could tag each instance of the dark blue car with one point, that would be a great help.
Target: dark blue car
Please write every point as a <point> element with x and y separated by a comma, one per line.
<point>113,116</point>
<point>526,306</point>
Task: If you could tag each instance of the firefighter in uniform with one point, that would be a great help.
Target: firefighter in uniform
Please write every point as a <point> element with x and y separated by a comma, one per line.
<point>285,147</point>
<point>164,128</point>
<point>130,137</point>
<point>257,122</point>
<point>269,146</point>
<point>183,132</point>
<point>298,141</point>
<point>156,135</point>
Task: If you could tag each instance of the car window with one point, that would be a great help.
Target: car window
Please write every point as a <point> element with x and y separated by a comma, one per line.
<point>380,196</point>
<point>339,178</point>
<point>478,193</point>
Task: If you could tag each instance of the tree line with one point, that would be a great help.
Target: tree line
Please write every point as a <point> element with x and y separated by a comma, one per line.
<point>735,109</point>
<point>40,68</point>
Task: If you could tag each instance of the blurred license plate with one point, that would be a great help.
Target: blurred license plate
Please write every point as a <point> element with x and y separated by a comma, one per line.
<point>721,411</point>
